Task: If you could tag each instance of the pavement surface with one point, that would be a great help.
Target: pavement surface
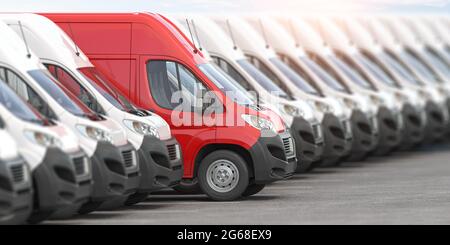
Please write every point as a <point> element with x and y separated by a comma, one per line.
<point>404,188</point>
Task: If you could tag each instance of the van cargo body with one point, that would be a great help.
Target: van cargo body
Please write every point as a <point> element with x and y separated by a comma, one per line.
<point>160,161</point>
<point>148,57</point>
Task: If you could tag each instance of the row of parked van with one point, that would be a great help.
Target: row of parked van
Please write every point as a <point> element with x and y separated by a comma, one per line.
<point>98,111</point>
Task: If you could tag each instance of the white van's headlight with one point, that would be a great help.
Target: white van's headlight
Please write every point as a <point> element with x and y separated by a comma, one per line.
<point>94,133</point>
<point>350,104</point>
<point>258,122</point>
<point>322,107</point>
<point>43,139</point>
<point>141,128</point>
<point>293,111</point>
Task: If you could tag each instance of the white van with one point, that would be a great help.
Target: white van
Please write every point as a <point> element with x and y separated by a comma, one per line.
<point>114,159</point>
<point>297,114</point>
<point>361,80</point>
<point>160,161</point>
<point>441,35</point>
<point>373,58</point>
<point>335,123</point>
<point>432,50</point>
<point>60,170</point>
<point>16,193</point>
<point>315,56</point>
<point>405,68</point>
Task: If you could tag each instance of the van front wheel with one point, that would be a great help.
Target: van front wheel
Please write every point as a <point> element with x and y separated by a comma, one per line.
<point>223,175</point>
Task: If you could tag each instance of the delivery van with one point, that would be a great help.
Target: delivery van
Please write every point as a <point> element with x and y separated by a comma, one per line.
<point>336,128</point>
<point>371,55</point>
<point>404,66</point>
<point>159,154</point>
<point>313,55</point>
<point>115,164</point>
<point>346,57</point>
<point>304,126</point>
<point>16,193</point>
<point>231,147</point>
<point>60,172</point>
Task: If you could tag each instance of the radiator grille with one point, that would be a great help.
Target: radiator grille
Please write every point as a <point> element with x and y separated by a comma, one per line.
<point>174,152</point>
<point>317,131</point>
<point>288,144</point>
<point>18,173</point>
<point>80,166</point>
<point>128,158</point>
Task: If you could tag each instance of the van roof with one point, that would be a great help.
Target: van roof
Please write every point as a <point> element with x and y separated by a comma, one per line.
<point>13,51</point>
<point>247,38</point>
<point>162,37</point>
<point>47,40</point>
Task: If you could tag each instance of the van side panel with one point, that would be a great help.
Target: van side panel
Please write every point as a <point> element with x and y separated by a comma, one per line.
<point>110,38</point>
<point>118,69</point>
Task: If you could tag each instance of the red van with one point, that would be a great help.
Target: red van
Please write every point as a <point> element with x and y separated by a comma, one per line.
<point>153,63</point>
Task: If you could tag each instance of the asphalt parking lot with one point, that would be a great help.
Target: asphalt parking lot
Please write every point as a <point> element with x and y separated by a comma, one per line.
<point>404,188</point>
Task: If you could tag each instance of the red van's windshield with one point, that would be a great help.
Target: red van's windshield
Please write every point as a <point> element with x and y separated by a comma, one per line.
<point>227,84</point>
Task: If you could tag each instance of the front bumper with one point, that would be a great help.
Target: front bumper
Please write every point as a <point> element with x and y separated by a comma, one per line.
<point>414,130</point>
<point>390,130</point>
<point>365,133</point>
<point>16,195</point>
<point>60,182</point>
<point>273,158</point>
<point>160,163</point>
<point>437,120</point>
<point>338,138</point>
<point>308,140</point>
<point>113,177</point>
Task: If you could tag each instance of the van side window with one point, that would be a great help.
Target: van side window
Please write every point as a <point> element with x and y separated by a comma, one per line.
<point>233,73</point>
<point>168,77</point>
<point>22,89</point>
<point>69,82</point>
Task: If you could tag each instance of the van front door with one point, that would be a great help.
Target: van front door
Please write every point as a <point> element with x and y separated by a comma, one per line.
<point>171,90</point>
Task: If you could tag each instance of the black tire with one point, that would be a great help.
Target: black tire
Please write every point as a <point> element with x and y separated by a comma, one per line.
<point>89,207</point>
<point>189,187</point>
<point>136,198</point>
<point>37,218</point>
<point>253,189</point>
<point>357,156</point>
<point>303,167</point>
<point>240,166</point>
<point>330,162</point>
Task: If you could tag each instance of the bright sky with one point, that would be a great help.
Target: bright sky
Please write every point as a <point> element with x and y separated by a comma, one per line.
<point>333,6</point>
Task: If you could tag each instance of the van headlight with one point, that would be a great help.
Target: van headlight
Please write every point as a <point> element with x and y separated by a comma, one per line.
<point>293,111</point>
<point>42,139</point>
<point>94,133</point>
<point>377,101</point>
<point>322,107</point>
<point>141,128</point>
<point>350,104</point>
<point>258,122</point>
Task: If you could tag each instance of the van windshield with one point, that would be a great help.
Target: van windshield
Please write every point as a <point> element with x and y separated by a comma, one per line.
<point>17,106</point>
<point>106,88</point>
<point>262,79</point>
<point>399,67</point>
<point>227,84</point>
<point>438,61</point>
<point>294,77</point>
<point>351,72</point>
<point>61,95</point>
<point>375,69</point>
<point>324,75</point>
<point>419,65</point>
